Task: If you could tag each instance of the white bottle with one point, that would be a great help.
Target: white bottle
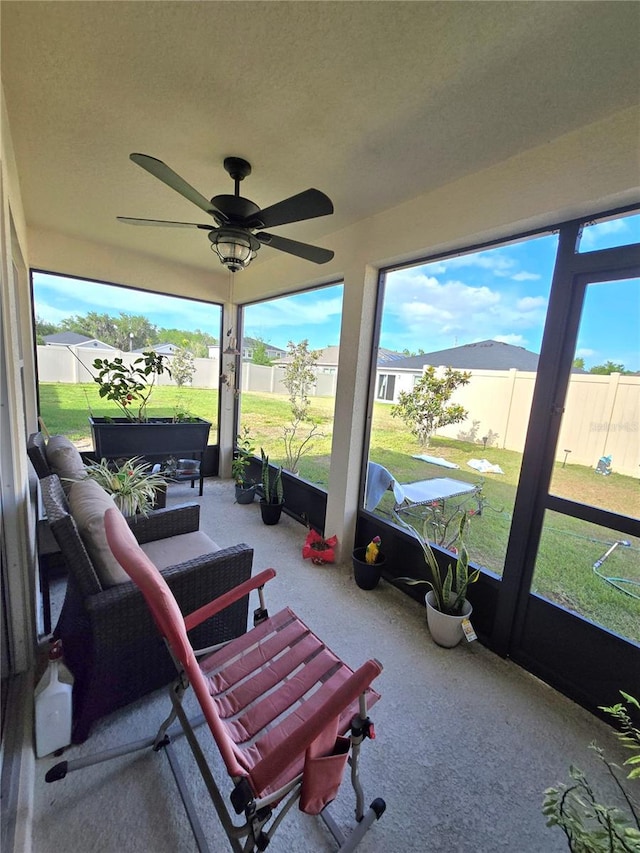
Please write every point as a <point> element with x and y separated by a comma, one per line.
<point>53,707</point>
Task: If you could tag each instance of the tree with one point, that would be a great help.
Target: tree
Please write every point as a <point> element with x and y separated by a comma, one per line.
<point>43,328</point>
<point>607,368</point>
<point>112,330</point>
<point>259,355</point>
<point>93,325</point>
<point>578,363</point>
<point>145,333</point>
<point>425,409</point>
<point>299,378</point>
<point>182,366</point>
<point>197,341</point>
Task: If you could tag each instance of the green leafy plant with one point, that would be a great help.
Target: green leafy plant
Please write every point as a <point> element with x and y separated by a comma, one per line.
<point>183,366</point>
<point>132,483</point>
<point>272,492</point>
<point>425,409</point>
<point>182,415</point>
<point>589,825</point>
<point>449,591</point>
<point>299,378</point>
<point>245,450</point>
<point>129,386</point>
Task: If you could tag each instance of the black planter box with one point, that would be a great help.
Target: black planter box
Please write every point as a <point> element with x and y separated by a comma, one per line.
<point>118,437</point>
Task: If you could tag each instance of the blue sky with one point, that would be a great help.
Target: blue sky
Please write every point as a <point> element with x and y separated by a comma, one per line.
<point>498,294</point>
<point>57,297</point>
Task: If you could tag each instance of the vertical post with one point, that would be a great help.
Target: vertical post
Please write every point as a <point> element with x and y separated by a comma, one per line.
<point>351,406</point>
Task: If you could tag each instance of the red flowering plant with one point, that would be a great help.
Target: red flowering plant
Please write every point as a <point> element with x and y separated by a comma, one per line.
<point>318,549</point>
<point>129,386</point>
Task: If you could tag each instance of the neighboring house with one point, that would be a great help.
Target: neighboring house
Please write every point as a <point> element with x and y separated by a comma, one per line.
<point>271,351</point>
<point>484,355</point>
<point>328,359</point>
<point>161,349</point>
<point>73,339</point>
<point>402,373</point>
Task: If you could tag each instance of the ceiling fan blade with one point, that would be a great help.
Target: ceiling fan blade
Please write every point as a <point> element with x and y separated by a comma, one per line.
<point>293,247</point>
<point>161,171</point>
<point>131,220</point>
<point>304,205</point>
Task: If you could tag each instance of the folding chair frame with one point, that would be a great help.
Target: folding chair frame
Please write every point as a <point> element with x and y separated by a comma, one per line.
<point>253,834</point>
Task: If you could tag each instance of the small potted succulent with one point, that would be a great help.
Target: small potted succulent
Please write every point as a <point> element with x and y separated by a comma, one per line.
<point>245,487</point>
<point>318,549</point>
<point>272,494</point>
<point>446,601</point>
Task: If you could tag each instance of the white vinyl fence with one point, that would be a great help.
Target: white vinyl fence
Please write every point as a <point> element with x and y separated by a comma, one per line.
<point>74,364</point>
<point>601,418</point>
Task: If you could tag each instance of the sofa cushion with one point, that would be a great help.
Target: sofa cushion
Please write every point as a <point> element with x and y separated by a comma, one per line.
<point>88,503</point>
<point>178,549</point>
<point>64,460</point>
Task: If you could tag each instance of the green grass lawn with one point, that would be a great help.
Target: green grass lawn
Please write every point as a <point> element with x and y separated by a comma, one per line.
<point>568,549</point>
<point>66,408</point>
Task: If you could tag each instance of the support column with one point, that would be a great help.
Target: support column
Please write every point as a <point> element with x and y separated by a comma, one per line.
<point>350,418</point>
<point>229,371</point>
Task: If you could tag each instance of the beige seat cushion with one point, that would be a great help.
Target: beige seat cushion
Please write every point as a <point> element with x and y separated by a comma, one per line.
<point>88,503</point>
<point>178,549</point>
<point>64,460</point>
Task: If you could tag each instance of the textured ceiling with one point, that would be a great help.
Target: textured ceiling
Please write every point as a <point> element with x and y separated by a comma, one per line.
<point>372,102</point>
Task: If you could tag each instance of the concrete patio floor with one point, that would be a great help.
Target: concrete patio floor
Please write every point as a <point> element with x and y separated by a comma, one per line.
<point>466,741</point>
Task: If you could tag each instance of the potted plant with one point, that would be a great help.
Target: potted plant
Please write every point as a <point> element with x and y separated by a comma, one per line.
<point>129,386</point>
<point>367,563</point>
<point>132,483</point>
<point>608,823</point>
<point>272,495</point>
<point>244,486</point>
<point>447,604</point>
<point>318,549</point>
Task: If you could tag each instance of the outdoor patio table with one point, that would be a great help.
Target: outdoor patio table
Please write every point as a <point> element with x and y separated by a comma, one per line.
<point>436,489</point>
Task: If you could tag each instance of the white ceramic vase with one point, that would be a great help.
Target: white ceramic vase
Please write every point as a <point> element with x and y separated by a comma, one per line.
<point>446,630</point>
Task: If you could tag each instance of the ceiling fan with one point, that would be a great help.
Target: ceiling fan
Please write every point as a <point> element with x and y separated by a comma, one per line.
<point>234,237</point>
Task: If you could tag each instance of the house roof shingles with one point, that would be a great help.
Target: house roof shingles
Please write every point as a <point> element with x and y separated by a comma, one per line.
<point>484,355</point>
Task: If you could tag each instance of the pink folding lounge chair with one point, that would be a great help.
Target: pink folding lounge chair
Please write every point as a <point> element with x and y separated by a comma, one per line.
<point>285,712</point>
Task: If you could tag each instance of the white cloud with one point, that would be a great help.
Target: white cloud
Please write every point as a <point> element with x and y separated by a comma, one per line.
<point>585,352</point>
<point>526,276</point>
<point>531,303</point>
<point>514,340</point>
<point>430,312</point>
<point>290,312</point>
<point>497,263</point>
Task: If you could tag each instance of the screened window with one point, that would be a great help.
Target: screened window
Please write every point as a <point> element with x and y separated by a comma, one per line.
<point>289,382</point>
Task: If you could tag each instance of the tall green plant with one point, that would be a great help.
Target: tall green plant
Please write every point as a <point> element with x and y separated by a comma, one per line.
<point>589,825</point>
<point>425,409</point>
<point>271,484</point>
<point>129,386</point>
<point>299,378</point>
<point>244,453</point>
<point>449,591</point>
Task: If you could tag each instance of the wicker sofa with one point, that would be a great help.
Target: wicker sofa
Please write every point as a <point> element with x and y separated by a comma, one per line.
<point>109,639</point>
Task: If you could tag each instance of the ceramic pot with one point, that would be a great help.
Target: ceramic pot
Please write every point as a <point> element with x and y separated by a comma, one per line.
<point>446,630</point>
<point>366,575</point>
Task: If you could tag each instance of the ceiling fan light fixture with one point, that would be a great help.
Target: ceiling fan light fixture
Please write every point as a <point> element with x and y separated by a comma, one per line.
<point>235,247</point>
